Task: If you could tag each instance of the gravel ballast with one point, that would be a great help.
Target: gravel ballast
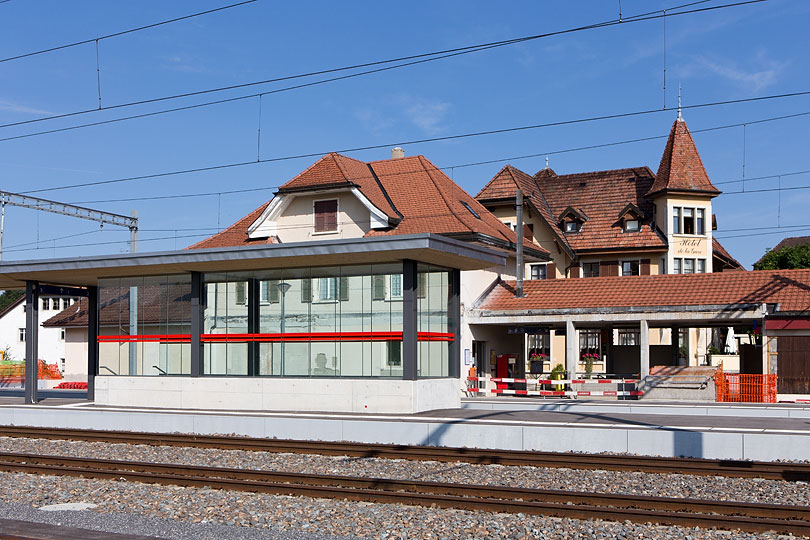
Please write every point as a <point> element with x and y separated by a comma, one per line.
<point>142,507</point>
<point>631,483</point>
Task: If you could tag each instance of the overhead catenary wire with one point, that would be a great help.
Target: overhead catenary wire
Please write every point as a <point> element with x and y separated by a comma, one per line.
<point>418,59</point>
<point>122,32</point>
<point>421,141</point>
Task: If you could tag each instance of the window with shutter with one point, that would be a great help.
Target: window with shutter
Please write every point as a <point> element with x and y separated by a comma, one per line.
<point>379,288</point>
<point>344,289</point>
<point>241,292</point>
<point>306,290</point>
<point>326,216</point>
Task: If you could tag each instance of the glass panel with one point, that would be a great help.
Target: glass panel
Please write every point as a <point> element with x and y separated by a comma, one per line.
<point>688,221</point>
<point>676,266</point>
<point>699,227</point>
<point>676,220</point>
<point>689,266</point>
<point>701,266</point>
<point>144,326</point>
<point>325,324</point>
<point>433,351</point>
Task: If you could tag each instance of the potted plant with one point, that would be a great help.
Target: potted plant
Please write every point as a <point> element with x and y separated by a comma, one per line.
<point>536,361</point>
<point>558,374</point>
<point>589,359</point>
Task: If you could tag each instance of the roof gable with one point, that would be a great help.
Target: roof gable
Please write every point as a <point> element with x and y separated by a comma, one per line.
<point>681,169</point>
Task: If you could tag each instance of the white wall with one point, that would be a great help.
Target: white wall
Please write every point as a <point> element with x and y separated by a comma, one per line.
<point>279,394</point>
<point>51,346</point>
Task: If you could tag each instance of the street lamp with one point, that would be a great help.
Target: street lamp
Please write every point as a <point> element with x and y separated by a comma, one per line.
<point>283,287</point>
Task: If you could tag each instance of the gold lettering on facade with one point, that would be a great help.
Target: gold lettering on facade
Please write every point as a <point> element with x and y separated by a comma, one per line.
<point>690,246</point>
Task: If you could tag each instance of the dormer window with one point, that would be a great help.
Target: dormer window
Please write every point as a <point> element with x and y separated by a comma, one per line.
<point>631,225</point>
<point>326,216</point>
<point>572,226</point>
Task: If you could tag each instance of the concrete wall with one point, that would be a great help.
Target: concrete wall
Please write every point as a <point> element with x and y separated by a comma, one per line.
<point>277,394</point>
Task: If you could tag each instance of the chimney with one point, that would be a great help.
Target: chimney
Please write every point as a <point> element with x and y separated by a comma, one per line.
<point>397,153</point>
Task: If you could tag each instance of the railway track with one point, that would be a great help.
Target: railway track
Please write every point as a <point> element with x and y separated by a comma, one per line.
<point>749,517</point>
<point>693,466</point>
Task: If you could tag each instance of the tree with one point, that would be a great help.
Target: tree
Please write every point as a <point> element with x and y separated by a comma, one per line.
<point>785,258</point>
<point>9,297</point>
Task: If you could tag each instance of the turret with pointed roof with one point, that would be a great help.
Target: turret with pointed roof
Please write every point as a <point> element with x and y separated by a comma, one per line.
<point>681,169</point>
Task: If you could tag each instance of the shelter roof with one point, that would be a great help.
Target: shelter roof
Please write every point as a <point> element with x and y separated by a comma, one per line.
<point>789,289</point>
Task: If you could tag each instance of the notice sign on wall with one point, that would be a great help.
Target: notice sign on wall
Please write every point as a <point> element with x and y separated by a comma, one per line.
<point>690,246</point>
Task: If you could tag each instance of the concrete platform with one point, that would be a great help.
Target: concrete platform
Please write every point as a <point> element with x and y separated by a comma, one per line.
<point>685,408</point>
<point>720,436</point>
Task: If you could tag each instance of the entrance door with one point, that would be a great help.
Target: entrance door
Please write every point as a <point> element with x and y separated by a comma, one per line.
<point>793,365</point>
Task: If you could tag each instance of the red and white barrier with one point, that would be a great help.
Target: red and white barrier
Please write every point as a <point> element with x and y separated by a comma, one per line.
<point>615,393</point>
<point>553,381</point>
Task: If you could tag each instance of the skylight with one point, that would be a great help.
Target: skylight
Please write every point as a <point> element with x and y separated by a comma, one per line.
<point>467,206</point>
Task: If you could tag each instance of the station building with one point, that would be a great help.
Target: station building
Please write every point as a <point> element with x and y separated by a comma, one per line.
<point>343,293</point>
<point>622,222</point>
<point>375,287</point>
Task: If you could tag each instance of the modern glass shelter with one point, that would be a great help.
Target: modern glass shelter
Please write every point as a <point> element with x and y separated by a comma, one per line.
<point>368,324</point>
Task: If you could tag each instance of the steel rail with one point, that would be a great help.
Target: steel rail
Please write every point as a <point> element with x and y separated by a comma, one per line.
<point>692,466</point>
<point>437,488</point>
<point>682,512</point>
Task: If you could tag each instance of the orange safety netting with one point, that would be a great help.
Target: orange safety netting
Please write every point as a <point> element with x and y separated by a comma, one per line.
<point>747,388</point>
<point>15,371</point>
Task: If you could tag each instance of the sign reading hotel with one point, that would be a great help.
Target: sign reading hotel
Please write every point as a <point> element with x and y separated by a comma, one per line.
<point>690,246</point>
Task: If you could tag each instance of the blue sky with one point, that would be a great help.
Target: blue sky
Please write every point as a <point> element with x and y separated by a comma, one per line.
<point>734,53</point>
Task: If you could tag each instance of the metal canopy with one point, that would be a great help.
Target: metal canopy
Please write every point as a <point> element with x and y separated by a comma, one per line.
<point>85,271</point>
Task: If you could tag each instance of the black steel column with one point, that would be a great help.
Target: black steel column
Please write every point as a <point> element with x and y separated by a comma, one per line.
<point>197,306</point>
<point>253,325</point>
<point>409,322</point>
<point>31,341</point>
<point>92,341</point>
<point>454,307</point>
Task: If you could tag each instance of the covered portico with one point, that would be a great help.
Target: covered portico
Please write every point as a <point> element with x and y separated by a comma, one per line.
<point>624,359</point>
<point>761,303</point>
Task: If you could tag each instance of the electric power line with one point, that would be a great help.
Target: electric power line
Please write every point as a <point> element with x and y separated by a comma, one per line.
<point>121,33</point>
<point>422,141</point>
<point>419,58</point>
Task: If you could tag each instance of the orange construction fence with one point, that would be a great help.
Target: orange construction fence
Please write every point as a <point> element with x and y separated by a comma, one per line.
<point>744,388</point>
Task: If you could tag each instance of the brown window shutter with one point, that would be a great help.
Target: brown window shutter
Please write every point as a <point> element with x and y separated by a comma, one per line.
<point>551,271</point>
<point>645,267</point>
<point>306,290</point>
<point>325,215</point>
<point>575,271</point>
<point>609,268</point>
<point>344,289</point>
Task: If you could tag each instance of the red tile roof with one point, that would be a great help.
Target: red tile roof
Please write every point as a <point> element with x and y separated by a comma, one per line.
<point>602,196</point>
<point>504,185</point>
<point>788,288</point>
<point>681,169</point>
<point>417,196</point>
<point>236,234</point>
<point>156,304</point>
<point>719,252</point>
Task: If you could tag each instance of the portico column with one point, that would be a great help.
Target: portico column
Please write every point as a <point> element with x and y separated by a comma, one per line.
<point>197,301</point>
<point>644,348</point>
<point>676,356</point>
<point>571,349</point>
<point>409,321</point>
<point>455,322</point>
<point>31,341</point>
<point>92,341</point>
